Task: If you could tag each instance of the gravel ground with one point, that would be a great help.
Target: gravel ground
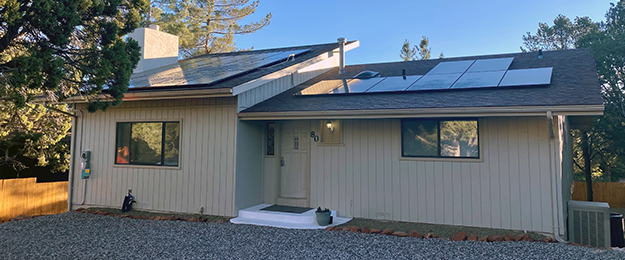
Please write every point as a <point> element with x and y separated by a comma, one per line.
<point>87,236</point>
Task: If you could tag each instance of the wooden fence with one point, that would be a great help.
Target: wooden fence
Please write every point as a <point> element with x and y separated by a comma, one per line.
<point>611,192</point>
<point>27,197</point>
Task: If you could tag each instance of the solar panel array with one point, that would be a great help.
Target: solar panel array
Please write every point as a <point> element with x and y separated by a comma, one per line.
<point>209,68</point>
<point>466,74</point>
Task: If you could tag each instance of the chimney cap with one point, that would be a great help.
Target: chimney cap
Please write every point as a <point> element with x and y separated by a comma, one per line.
<point>341,40</point>
<point>154,27</point>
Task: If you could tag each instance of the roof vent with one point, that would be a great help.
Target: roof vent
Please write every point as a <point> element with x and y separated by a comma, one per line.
<point>540,54</point>
<point>367,74</point>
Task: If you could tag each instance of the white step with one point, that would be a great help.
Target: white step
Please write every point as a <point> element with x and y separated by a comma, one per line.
<point>307,220</point>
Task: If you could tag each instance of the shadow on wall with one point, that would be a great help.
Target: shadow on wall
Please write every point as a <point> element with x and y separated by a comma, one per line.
<point>25,196</point>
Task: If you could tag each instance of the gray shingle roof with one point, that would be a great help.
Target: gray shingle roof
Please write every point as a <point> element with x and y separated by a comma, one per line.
<point>574,82</point>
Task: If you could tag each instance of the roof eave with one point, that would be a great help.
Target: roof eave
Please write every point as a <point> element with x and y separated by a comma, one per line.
<point>570,110</point>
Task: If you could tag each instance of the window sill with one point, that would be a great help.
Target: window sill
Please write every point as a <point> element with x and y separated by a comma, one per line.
<point>146,167</point>
<point>438,159</point>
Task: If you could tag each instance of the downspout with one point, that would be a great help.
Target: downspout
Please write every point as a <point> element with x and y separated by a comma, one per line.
<point>70,191</point>
<point>555,215</point>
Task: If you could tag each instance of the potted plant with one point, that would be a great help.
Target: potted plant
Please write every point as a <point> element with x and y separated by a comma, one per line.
<point>323,216</point>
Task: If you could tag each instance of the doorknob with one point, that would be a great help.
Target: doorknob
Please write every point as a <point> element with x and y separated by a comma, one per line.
<point>282,161</point>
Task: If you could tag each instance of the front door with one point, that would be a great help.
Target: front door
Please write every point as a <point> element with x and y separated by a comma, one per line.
<point>294,163</point>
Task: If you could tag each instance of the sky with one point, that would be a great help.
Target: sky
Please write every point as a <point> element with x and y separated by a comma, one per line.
<point>456,28</point>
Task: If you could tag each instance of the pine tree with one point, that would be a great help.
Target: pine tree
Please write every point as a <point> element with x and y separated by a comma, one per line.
<point>424,51</point>
<point>205,26</point>
<point>57,49</point>
<point>406,53</point>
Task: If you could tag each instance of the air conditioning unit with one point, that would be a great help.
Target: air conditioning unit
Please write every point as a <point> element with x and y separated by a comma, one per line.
<point>589,223</point>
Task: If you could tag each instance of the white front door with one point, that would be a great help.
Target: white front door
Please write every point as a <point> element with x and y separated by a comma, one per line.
<point>294,168</point>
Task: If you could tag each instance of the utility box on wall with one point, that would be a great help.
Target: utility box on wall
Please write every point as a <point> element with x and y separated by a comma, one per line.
<point>85,156</point>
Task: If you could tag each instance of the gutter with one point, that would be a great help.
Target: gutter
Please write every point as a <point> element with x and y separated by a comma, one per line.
<point>427,112</point>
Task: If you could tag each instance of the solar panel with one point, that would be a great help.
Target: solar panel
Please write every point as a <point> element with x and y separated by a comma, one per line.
<point>394,84</point>
<point>356,86</point>
<point>451,67</point>
<point>429,82</point>
<point>208,69</point>
<point>479,79</point>
<point>491,65</point>
<point>527,77</point>
<point>321,87</point>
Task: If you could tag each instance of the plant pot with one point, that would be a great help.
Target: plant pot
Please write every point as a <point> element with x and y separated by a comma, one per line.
<point>323,218</point>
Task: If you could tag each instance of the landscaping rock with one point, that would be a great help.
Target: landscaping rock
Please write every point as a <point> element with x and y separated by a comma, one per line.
<point>400,234</point>
<point>21,217</point>
<point>375,231</point>
<point>431,235</point>
<point>529,238</point>
<point>416,234</point>
<point>548,239</point>
<point>472,237</point>
<point>459,236</point>
<point>80,209</point>
<point>509,237</point>
<point>520,237</point>
<point>388,231</point>
<point>329,228</point>
<point>495,238</point>
<point>366,230</point>
<point>354,229</point>
<point>347,228</point>
<point>482,239</point>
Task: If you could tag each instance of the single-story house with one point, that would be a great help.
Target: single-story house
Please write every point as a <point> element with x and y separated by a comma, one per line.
<point>478,141</point>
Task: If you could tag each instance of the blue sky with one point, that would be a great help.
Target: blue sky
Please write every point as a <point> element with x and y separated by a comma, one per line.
<point>456,28</point>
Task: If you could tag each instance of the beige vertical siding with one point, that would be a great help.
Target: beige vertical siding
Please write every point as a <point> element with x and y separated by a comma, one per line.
<point>366,178</point>
<point>263,92</point>
<point>207,158</point>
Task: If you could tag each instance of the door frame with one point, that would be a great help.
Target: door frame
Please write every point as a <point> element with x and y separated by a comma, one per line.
<point>278,149</point>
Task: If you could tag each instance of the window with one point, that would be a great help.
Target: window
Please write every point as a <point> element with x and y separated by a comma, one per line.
<point>440,138</point>
<point>147,143</point>
<point>271,138</point>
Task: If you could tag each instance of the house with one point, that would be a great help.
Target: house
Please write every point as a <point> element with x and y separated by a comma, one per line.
<point>476,141</point>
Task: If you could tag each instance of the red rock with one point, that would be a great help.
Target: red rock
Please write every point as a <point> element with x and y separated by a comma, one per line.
<point>388,231</point>
<point>366,230</point>
<point>375,231</point>
<point>495,238</point>
<point>80,209</point>
<point>400,234</point>
<point>529,238</point>
<point>347,228</point>
<point>329,228</point>
<point>21,217</point>
<point>509,237</point>
<point>354,229</point>
<point>482,239</point>
<point>472,237</point>
<point>416,234</point>
<point>219,221</point>
<point>459,236</point>
<point>520,237</point>
<point>548,239</point>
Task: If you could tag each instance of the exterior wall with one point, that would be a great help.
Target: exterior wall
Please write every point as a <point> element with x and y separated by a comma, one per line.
<point>277,86</point>
<point>207,158</point>
<point>510,189</point>
<point>249,165</point>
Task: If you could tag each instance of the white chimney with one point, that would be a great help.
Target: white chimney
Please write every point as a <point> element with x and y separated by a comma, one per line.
<point>157,48</point>
<point>341,42</point>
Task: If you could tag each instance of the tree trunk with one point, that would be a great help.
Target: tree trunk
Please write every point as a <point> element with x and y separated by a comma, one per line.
<point>587,173</point>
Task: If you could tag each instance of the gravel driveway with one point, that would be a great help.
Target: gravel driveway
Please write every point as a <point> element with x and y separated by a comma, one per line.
<point>87,236</point>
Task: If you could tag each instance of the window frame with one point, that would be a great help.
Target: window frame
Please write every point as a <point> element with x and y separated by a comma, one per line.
<point>480,155</point>
<point>149,166</point>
